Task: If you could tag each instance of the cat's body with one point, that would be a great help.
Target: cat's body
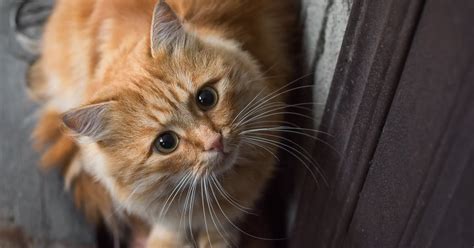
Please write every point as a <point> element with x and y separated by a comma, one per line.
<point>125,72</point>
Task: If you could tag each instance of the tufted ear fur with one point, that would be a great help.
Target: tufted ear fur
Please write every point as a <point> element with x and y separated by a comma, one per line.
<point>90,121</point>
<point>166,29</point>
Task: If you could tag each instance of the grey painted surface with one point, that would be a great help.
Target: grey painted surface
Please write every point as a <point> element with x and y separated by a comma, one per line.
<point>29,199</point>
<point>325,24</point>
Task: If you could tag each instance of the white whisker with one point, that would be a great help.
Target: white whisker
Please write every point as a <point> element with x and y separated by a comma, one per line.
<point>173,194</point>
<point>285,129</point>
<point>291,151</point>
<point>204,213</point>
<point>212,212</point>
<point>234,225</point>
<point>229,197</point>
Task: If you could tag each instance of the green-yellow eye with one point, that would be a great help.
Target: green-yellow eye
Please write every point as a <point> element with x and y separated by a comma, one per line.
<point>166,142</point>
<point>206,98</point>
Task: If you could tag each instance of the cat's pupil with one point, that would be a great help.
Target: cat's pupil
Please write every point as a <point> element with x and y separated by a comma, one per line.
<point>206,98</point>
<point>166,142</point>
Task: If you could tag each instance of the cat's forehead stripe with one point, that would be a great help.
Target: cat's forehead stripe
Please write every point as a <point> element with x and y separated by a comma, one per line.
<point>159,108</point>
<point>182,92</point>
<point>152,117</point>
<point>171,94</point>
<point>168,98</point>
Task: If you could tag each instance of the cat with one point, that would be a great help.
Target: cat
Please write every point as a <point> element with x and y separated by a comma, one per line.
<point>164,113</point>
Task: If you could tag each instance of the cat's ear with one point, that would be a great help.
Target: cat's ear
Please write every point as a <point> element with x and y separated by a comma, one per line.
<point>166,28</point>
<point>90,121</point>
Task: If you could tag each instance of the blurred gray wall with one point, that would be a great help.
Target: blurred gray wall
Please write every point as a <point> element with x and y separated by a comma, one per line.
<point>34,208</point>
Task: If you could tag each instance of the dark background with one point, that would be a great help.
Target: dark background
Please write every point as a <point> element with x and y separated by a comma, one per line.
<point>402,109</point>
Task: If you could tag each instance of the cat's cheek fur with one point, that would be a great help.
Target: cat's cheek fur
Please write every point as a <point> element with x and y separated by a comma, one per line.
<point>96,163</point>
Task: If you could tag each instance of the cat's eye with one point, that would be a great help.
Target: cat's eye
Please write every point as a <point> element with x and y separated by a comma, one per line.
<point>166,142</point>
<point>206,98</point>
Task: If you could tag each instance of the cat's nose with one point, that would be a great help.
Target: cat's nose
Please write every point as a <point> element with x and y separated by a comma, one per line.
<point>214,143</point>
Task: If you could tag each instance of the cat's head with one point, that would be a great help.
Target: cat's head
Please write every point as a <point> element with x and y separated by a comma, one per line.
<point>174,112</point>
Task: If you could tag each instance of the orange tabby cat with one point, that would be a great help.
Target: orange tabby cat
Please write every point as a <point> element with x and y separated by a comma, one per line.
<point>172,109</point>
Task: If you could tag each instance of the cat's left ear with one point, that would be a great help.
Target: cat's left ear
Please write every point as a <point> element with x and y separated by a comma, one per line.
<point>166,29</point>
<point>91,120</point>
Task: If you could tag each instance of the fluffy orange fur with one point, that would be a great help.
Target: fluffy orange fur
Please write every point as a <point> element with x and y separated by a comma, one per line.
<point>119,73</point>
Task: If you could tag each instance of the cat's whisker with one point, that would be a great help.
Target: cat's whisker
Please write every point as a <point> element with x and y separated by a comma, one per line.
<point>263,115</point>
<point>262,147</point>
<point>279,114</point>
<point>268,108</point>
<point>311,103</point>
<point>279,128</point>
<point>155,197</point>
<point>184,211</point>
<point>268,70</point>
<point>235,226</point>
<point>251,115</point>
<point>142,186</point>
<point>276,122</point>
<point>264,78</point>
<point>245,108</point>
<point>213,213</point>
<point>228,197</point>
<point>264,73</point>
<point>277,93</point>
<point>302,151</point>
<point>204,213</point>
<point>299,131</point>
<point>187,184</point>
<point>278,106</point>
<point>283,88</point>
<point>179,190</point>
<point>262,109</point>
<point>185,207</point>
<point>283,129</point>
<point>137,188</point>
<point>191,210</point>
<point>292,151</point>
<point>258,107</point>
<point>173,194</point>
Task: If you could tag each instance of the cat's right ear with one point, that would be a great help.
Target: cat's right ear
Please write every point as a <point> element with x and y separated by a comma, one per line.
<point>90,121</point>
<point>166,29</point>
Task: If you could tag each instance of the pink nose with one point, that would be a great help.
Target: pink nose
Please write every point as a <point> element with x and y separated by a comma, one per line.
<point>214,144</point>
